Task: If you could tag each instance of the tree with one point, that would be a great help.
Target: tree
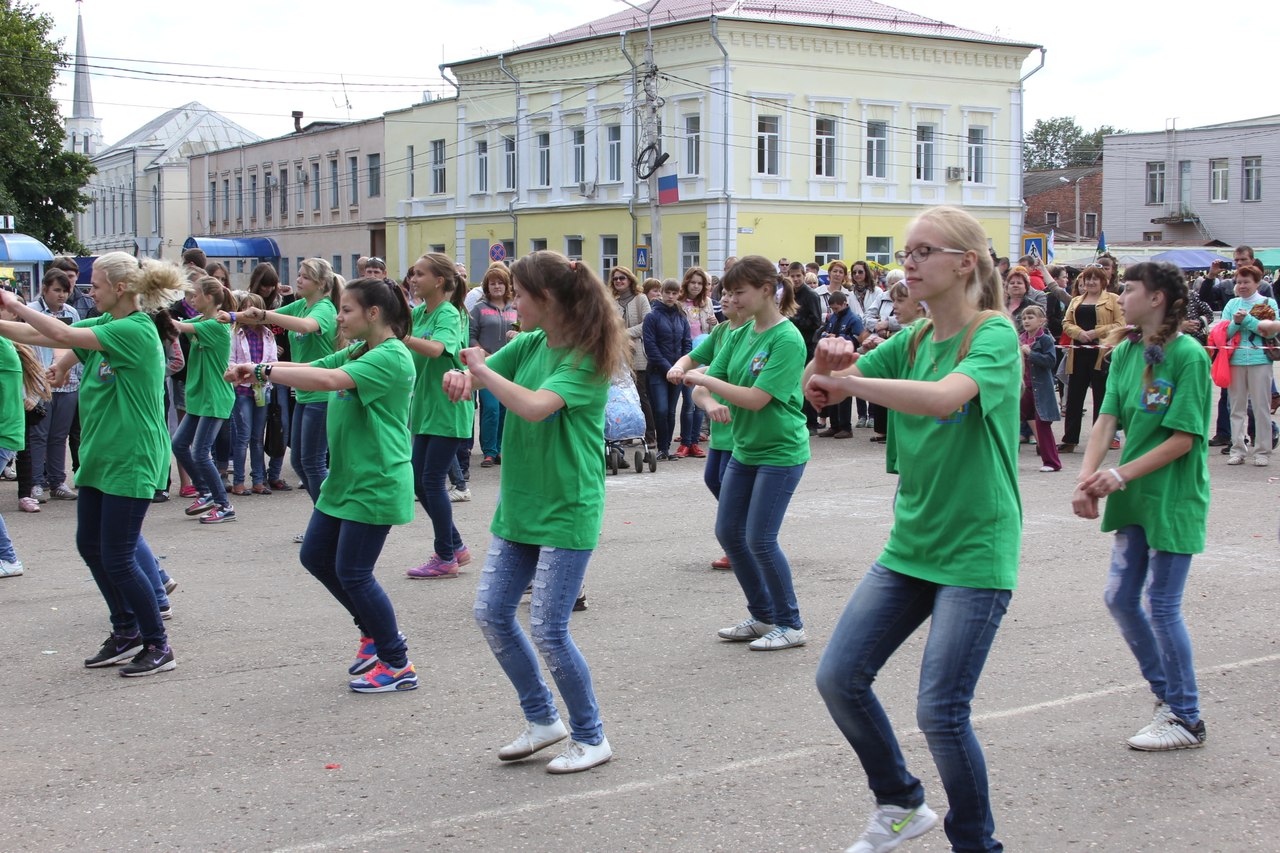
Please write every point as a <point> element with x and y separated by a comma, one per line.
<point>40,184</point>
<point>1056,143</point>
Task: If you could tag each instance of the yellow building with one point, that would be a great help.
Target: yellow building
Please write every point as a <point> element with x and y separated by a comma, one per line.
<point>789,133</point>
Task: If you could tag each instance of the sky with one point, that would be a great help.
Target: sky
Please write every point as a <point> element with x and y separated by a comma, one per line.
<point>1113,63</point>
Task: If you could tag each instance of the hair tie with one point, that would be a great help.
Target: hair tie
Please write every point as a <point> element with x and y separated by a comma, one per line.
<point>139,263</point>
<point>573,265</point>
<point>1153,355</point>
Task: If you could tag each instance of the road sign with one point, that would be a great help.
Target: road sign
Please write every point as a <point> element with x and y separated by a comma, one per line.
<point>642,258</point>
<point>497,253</point>
<point>1033,244</point>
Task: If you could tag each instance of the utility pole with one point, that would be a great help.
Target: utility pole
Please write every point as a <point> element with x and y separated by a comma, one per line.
<point>650,157</point>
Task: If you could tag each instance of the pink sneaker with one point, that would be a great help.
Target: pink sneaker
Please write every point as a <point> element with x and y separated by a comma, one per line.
<point>462,556</point>
<point>187,492</point>
<point>435,568</point>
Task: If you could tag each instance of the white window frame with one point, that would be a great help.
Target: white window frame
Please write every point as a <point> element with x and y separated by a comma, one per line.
<point>877,137</point>
<point>1155,186</point>
<point>510,164</point>
<point>768,162</point>
<point>572,242</point>
<point>411,179</point>
<point>315,185</point>
<point>926,169</point>
<point>690,251</point>
<point>824,256</point>
<point>374,170</point>
<point>885,257</point>
<point>608,254</point>
<point>692,124</point>
<point>353,170</point>
<point>977,154</point>
<point>482,166</point>
<point>613,153</point>
<point>266,195</point>
<point>439,177</point>
<point>538,244</point>
<point>543,142</point>
<point>1051,219</point>
<point>239,198</point>
<point>1251,178</point>
<point>1090,225</point>
<point>1219,180</point>
<point>824,147</point>
<point>578,148</point>
<point>335,184</point>
<point>253,196</point>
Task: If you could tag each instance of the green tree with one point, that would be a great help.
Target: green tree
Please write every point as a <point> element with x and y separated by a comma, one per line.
<point>40,184</point>
<point>1056,143</point>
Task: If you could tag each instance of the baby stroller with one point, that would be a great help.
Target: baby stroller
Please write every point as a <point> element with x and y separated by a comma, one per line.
<point>624,426</point>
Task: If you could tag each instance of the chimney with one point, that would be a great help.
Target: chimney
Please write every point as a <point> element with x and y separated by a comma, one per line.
<point>297,121</point>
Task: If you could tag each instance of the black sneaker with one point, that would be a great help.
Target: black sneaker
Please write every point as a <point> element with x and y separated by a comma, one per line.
<point>1220,441</point>
<point>116,649</point>
<point>149,661</point>
<point>161,496</point>
<point>166,612</point>
<point>580,604</point>
<point>169,586</point>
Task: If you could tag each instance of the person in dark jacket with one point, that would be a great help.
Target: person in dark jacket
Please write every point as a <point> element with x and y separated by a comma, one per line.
<point>666,338</point>
<point>843,323</point>
<point>808,319</point>
<point>1039,396</point>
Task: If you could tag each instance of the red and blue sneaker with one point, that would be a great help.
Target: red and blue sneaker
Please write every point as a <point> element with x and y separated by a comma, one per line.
<point>384,679</point>
<point>366,657</point>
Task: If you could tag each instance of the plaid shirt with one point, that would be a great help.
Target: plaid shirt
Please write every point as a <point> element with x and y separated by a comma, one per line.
<point>45,354</point>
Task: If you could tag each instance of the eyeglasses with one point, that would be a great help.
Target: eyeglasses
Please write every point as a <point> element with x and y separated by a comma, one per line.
<point>619,278</point>
<point>375,262</point>
<point>920,254</point>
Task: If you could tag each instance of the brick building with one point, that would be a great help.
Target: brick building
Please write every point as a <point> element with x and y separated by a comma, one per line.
<point>1067,201</point>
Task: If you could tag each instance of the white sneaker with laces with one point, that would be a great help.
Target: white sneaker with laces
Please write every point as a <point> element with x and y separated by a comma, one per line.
<point>891,825</point>
<point>10,570</point>
<point>747,629</point>
<point>457,495</point>
<point>579,756</point>
<point>298,538</point>
<point>40,494</point>
<point>535,736</point>
<point>1234,459</point>
<point>1171,734</point>
<point>1158,716</point>
<point>1259,461</point>
<point>779,638</point>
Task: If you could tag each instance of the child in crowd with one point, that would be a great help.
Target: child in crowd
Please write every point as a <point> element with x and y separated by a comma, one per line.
<point>905,310</point>
<point>253,344</point>
<point>843,322</point>
<point>666,337</point>
<point>1039,396</point>
<point>653,290</point>
<point>1253,317</point>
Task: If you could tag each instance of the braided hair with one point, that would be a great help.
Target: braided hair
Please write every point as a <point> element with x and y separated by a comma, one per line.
<point>1158,277</point>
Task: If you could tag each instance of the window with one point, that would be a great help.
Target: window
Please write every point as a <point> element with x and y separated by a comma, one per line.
<point>408,167</point>
<point>302,191</point>
<point>284,270</point>
<point>690,251</point>
<point>374,168</point>
<point>284,190</point>
<point>213,205</point>
<point>1155,183</point>
<point>266,194</point>
<point>826,249</point>
<point>337,264</point>
<point>693,145</point>
<point>482,167</point>
<point>538,244</point>
<point>315,186</point>
<point>509,162</point>
<point>824,148</point>
<point>1252,172</point>
<point>924,152</point>
<point>877,149</point>
<point>509,246</point>
<point>239,197</point>
<point>437,167</point>
<point>767,138</point>
<point>335,191</point>
<point>226,202</point>
<point>1152,236</point>
<point>155,209</point>
<point>977,161</point>
<point>613,152</point>
<point>544,160</point>
<point>1184,184</point>
<point>1051,219</point>
<point>353,175</point>
<point>253,196</point>
<point>1091,225</point>
<point>608,255</point>
<point>579,138</point>
<point>573,248</point>
<point>1217,180</point>
<point>880,250</point>
<point>438,248</point>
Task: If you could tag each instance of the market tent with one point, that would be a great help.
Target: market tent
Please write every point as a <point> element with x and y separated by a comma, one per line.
<point>1190,259</point>
<point>23,249</point>
<point>1269,257</point>
<point>263,248</point>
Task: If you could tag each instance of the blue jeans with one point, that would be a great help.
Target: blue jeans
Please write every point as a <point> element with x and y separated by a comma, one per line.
<point>492,416</point>
<point>713,474</point>
<point>107,537</point>
<point>690,418</point>
<point>48,440</point>
<point>886,608</point>
<point>193,448</point>
<point>248,427</point>
<point>6,544</point>
<point>1157,636</point>
<point>556,575</point>
<point>341,555</point>
<point>662,397</point>
<point>432,457</point>
<point>279,394</point>
<point>753,500</point>
<point>309,445</point>
<point>150,566</point>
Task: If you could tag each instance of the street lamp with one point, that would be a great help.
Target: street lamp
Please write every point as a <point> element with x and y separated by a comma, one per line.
<point>1075,222</point>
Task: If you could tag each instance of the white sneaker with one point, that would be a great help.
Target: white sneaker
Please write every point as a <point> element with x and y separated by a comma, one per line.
<point>457,495</point>
<point>747,629</point>
<point>580,756</point>
<point>1048,469</point>
<point>535,736</point>
<point>298,538</point>
<point>1158,716</point>
<point>1172,733</point>
<point>10,570</point>
<point>779,638</point>
<point>1258,460</point>
<point>40,494</point>
<point>891,825</point>
<point>1234,459</point>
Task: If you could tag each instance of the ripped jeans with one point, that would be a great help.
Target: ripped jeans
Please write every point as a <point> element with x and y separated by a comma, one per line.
<point>556,575</point>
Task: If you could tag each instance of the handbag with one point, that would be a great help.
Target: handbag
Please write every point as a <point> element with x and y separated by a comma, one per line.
<point>274,443</point>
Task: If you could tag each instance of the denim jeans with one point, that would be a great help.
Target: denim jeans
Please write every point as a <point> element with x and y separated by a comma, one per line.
<point>556,575</point>
<point>150,566</point>
<point>1157,636</point>
<point>107,537</point>
<point>341,555</point>
<point>47,440</point>
<point>432,458</point>
<point>279,394</point>
<point>492,416</point>
<point>248,427</point>
<point>690,418</point>
<point>662,397</point>
<point>713,474</point>
<point>309,445</point>
<point>193,448</point>
<point>886,608</point>
<point>7,554</point>
<point>222,447</point>
<point>753,500</point>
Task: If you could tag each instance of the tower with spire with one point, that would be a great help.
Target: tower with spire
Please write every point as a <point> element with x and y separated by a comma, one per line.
<point>84,129</point>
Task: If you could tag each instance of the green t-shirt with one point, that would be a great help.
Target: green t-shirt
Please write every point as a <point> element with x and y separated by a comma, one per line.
<point>13,413</point>
<point>958,516</point>
<point>208,394</point>
<point>1170,504</point>
<point>773,361</point>
<point>552,490</point>
<point>370,477</point>
<point>313,346</point>
<point>433,413</point>
<point>705,353</point>
<point>124,444</point>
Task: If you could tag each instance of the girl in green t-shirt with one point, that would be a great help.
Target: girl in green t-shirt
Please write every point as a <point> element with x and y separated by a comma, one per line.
<point>437,334</point>
<point>124,454</point>
<point>757,373</point>
<point>369,487</point>
<point>209,400</point>
<point>554,380</point>
<point>952,386</point>
<point>1159,393</point>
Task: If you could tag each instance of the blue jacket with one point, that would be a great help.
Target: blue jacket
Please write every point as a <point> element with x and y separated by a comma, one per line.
<point>843,324</point>
<point>666,336</point>
<point>1042,361</point>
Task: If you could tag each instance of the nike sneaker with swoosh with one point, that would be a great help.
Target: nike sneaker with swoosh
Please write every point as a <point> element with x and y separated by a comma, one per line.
<point>889,826</point>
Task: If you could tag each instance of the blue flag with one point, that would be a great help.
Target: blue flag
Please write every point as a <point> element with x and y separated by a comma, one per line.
<point>1102,242</point>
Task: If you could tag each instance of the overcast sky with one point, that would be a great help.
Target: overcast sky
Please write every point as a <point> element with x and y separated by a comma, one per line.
<point>1116,63</point>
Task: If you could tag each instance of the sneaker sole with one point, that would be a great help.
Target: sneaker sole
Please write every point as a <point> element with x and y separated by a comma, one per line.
<point>363,667</point>
<point>169,586</point>
<point>164,667</point>
<point>398,687</point>
<point>217,520</point>
<point>560,771</point>
<point>756,648</point>
<point>537,747</point>
<point>431,577</point>
<point>1196,745</point>
<point>193,513</point>
<point>118,659</point>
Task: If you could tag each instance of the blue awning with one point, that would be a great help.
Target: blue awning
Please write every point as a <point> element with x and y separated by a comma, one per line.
<point>234,247</point>
<point>22,249</point>
<point>1190,259</point>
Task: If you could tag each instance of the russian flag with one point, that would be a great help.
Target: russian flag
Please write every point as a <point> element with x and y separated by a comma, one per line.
<point>668,189</point>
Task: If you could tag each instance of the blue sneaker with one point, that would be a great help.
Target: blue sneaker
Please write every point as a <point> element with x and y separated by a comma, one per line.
<point>219,515</point>
<point>383,679</point>
<point>366,657</point>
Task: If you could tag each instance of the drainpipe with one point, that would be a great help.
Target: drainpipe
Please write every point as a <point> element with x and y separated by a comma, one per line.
<point>515,226</point>
<point>724,136</point>
<point>515,196</point>
<point>457,90</point>
<point>635,185</point>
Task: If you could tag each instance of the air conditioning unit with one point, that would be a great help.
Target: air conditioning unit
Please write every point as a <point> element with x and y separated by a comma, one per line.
<point>955,173</point>
<point>587,189</point>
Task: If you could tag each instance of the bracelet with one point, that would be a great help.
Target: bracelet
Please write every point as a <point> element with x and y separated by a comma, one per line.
<point>232,315</point>
<point>266,371</point>
<point>257,372</point>
<point>1114,473</point>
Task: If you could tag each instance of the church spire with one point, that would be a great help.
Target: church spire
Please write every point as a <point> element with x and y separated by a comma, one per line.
<point>82,106</point>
